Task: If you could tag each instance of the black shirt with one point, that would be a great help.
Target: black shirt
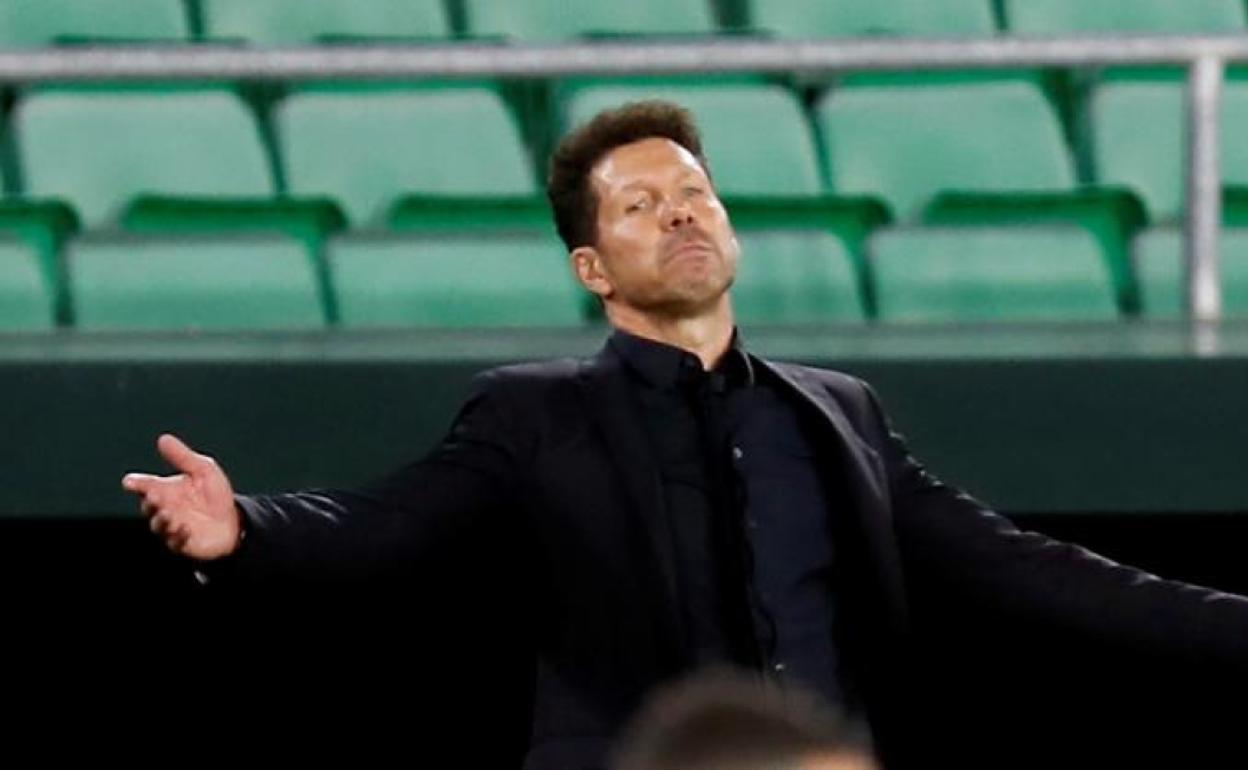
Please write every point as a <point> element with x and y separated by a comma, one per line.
<point>748,511</point>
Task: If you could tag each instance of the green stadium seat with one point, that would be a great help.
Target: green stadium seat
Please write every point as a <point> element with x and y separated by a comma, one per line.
<point>243,282</point>
<point>1112,216</point>
<point>853,18</point>
<point>367,147</point>
<point>1055,17</point>
<point>454,280</point>
<point>756,137</point>
<point>1137,136</point>
<point>795,276</point>
<point>990,274</point>
<point>434,213</point>
<point>35,23</point>
<point>42,226</point>
<point>1159,267</point>
<point>289,22</point>
<point>310,220</point>
<point>99,148</point>
<point>907,138</point>
<point>557,19</point>
<point>26,301</point>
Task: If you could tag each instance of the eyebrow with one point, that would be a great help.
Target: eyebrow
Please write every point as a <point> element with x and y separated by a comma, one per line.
<point>643,185</point>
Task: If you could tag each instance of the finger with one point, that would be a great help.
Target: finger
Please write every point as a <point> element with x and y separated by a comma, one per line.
<point>182,456</point>
<point>148,508</point>
<point>171,533</point>
<point>176,540</point>
<point>155,497</point>
<point>138,483</point>
<point>159,524</point>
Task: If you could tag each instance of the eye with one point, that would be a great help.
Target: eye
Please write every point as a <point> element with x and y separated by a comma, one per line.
<point>635,206</point>
<point>693,192</point>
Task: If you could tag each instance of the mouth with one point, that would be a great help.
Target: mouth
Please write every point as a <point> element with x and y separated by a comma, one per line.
<point>690,248</point>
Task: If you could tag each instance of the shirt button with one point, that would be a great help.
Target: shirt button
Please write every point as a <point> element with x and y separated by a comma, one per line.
<point>778,668</point>
<point>737,453</point>
<point>751,523</point>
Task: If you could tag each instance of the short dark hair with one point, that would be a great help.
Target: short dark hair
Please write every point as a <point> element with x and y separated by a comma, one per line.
<point>572,196</point>
<point>730,720</point>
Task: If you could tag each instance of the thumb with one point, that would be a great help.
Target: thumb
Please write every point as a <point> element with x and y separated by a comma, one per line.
<point>180,455</point>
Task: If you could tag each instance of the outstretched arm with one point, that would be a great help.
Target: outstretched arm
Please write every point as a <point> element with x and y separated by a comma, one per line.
<point>1036,577</point>
<point>329,532</point>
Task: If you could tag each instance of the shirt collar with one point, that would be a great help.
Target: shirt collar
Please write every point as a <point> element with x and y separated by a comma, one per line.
<point>665,366</point>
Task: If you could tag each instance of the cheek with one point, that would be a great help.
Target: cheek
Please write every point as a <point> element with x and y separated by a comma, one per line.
<point>630,240</point>
<point>726,238</point>
<point>614,232</point>
<point>732,257</point>
<point>717,224</point>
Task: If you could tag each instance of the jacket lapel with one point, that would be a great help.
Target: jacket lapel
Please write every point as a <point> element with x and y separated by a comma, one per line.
<point>866,483</point>
<point>611,406</point>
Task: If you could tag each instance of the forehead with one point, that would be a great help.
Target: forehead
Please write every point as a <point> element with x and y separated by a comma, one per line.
<point>649,160</point>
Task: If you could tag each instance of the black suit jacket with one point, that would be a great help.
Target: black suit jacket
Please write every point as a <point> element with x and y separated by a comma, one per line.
<point>552,456</point>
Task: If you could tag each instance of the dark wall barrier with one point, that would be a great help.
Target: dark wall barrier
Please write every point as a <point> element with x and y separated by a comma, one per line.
<point>1044,420</point>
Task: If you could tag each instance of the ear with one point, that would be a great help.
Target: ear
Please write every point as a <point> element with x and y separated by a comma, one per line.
<point>590,271</point>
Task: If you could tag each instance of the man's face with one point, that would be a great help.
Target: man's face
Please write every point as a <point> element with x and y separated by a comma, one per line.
<point>664,241</point>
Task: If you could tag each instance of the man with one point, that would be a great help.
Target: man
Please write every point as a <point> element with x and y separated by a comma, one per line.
<point>678,501</point>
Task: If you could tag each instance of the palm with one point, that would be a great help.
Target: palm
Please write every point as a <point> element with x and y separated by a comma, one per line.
<point>204,506</point>
<point>193,510</point>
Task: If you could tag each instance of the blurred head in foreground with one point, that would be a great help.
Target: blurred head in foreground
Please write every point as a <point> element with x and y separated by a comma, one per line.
<point>729,721</point>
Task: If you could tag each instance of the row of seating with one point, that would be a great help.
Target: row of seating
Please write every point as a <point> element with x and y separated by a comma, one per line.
<point>932,150</point>
<point>279,22</point>
<point>903,140</point>
<point>522,279</point>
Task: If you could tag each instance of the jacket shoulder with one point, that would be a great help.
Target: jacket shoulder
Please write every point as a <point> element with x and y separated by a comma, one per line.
<point>524,388</point>
<point>832,378</point>
<point>529,375</point>
<point>842,386</point>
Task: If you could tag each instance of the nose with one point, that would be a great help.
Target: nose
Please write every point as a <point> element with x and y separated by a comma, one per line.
<point>679,214</point>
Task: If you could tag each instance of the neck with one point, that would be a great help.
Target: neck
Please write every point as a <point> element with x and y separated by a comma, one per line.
<point>706,335</point>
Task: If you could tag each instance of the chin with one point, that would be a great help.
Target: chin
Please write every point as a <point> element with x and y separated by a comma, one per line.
<point>691,300</point>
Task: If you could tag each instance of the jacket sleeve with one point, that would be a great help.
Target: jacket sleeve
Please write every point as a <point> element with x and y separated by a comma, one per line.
<point>331,534</point>
<point>1032,576</point>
